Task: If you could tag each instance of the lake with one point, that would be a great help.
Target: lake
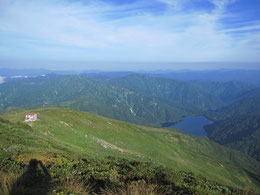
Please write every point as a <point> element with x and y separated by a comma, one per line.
<point>193,125</point>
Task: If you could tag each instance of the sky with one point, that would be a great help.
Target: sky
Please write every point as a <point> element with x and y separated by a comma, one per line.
<point>130,34</point>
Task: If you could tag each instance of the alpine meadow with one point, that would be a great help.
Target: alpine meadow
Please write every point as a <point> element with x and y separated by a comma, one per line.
<point>129,97</point>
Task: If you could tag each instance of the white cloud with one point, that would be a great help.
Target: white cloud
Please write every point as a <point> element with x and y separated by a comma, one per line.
<point>102,31</point>
<point>173,4</point>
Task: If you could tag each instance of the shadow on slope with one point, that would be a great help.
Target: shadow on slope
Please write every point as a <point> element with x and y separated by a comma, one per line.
<point>36,180</point>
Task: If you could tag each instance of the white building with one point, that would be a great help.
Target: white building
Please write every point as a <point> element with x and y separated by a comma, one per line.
<point>30,117</point>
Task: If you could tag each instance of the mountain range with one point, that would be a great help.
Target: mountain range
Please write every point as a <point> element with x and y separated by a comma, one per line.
<point>142,99</point>
<point>134,98</point>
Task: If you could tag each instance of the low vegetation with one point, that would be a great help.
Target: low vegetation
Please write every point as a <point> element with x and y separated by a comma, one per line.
<point>59,154</point>
<point>107,176</point>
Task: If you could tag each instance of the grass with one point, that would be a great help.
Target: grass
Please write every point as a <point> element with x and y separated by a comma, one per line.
<point>70,185</point>
<point>62,134</point>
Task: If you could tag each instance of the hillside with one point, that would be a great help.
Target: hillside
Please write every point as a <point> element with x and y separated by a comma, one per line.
<point>202,95</point>
<point>135,98</point>
<point>83,93</point>
<point>84,134</point>
<point>248,104</point>
<point>186,94</point>
<point>241,133</point>
<point>228,92</point>
<point>237,125</point>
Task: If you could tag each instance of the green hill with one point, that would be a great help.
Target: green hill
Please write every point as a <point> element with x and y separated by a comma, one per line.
<point>76,134</point>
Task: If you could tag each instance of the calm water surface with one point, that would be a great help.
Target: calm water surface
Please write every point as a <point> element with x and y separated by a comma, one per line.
<point>193,125</point>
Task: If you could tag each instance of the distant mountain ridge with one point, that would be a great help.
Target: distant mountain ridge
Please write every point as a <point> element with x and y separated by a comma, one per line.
<point>134,98</point>
<point>81,92</point>
<point>222,75</point>
<point>248,76</point>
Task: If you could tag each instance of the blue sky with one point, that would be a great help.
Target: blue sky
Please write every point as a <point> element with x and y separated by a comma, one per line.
<point>122,34</point>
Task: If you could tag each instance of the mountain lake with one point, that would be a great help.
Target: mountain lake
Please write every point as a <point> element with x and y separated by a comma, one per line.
<point>193,125</point>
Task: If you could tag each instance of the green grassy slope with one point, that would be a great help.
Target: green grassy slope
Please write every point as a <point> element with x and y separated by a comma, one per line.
<point>33,163</point>
<point>84,134</point>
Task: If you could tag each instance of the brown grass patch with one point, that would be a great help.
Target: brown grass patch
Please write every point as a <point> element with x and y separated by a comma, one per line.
<point>66,124</point>
<point>72,185</point>
<point>135,188</point>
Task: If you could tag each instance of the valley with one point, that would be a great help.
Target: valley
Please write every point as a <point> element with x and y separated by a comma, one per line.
<point>128,97</point>
<point>139,118</point>
<point>135,98</point>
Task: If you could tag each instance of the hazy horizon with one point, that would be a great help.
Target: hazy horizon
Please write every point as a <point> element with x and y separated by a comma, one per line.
<point>129,66</point>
